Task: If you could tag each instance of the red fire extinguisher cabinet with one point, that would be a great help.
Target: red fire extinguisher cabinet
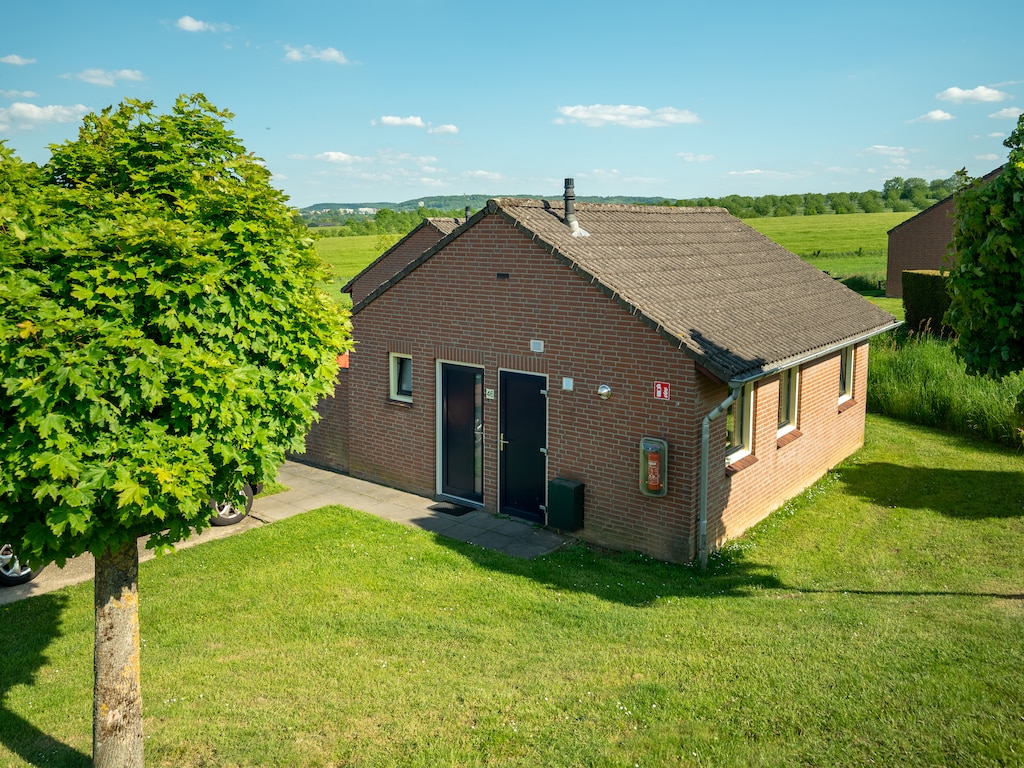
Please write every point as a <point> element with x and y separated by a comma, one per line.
<point>653,466</point>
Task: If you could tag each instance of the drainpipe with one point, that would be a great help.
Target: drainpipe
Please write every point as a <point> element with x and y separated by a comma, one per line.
<point>705,439</point>
<point>570,210</point>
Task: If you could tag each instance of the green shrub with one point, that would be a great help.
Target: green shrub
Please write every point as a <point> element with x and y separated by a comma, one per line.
<point>918,378</point>
<point>925,300</point>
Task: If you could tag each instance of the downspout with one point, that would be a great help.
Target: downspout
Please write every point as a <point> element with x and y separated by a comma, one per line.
<point>705,440</point>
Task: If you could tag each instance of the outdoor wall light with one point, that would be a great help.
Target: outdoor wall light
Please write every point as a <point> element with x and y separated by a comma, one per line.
<point>604,391</point>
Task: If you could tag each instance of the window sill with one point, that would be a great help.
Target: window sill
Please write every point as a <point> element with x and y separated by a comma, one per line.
<point>741,463</point>
<point>399,403</point>
<point>785,438</point>
<point>846,405</point>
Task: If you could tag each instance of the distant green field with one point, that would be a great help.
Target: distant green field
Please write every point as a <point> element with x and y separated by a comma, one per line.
<point>844,246</point>
<point>808,235</point>
<point>347,257</point>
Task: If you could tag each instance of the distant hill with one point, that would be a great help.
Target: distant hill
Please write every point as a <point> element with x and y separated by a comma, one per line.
<point>475,202</point>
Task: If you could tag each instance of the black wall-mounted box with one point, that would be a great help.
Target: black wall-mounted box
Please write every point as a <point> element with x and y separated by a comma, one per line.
<point>565,504</point>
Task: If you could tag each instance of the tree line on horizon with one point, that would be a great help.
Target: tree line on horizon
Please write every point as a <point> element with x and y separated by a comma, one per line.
<point>898,195</point>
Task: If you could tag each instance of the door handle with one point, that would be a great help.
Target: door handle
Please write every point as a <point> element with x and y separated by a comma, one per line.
<point>502,442</point>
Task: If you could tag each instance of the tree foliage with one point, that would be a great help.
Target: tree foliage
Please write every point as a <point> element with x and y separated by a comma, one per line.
<point>162,341</point>
<point>987,282</point>
<point>162,338</point>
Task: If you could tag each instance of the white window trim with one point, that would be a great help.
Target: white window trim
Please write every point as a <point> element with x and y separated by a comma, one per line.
<point>794,401</point>
<point>393,369</point>
<point>846,359</point>
<point>746,402</point>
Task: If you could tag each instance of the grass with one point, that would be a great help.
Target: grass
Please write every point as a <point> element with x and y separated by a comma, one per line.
<point>347,257</point>
<point>807,235</point>
<point>877,619</point>
<point>918,378</point>
<point>844,246</point>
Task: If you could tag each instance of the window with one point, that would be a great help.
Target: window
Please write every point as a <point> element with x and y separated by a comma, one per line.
<point>739,425</point>
<point>789,383</point>
<point>401,377</point>
<point>846,374</point>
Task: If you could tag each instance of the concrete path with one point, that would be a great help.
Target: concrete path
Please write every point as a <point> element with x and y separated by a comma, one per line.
<point>310,488</point>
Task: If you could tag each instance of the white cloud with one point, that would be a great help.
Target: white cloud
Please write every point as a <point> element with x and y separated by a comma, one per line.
<point>1010,112</point>
<point>884,151</point>
<point>979,94</point>
<point>485,175</point>
<point>988,158</point>
<point>18,61</point>
<point>391,157</point>
<point>341,157</point>
<point>767,174</point>
<point>18,94</point>
<point>106,77</point>
<point>188,24</point>
<point>415,122</point>
<point>30,116</point>
<point>934,116</point>
<point>447,128</point>
<point>597,115</point>
<point>691,157</point>
<point>309,52</point>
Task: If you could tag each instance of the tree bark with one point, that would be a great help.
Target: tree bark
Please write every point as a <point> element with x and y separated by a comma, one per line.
<point>117,691</point>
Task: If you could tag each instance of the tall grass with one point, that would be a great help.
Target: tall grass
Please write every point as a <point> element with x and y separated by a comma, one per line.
<point>918,378</point>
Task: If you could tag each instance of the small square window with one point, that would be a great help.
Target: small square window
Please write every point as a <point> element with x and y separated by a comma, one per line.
<point>401,377</point>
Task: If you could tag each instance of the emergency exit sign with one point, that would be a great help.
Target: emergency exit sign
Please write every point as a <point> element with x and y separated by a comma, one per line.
<point>662,391</point>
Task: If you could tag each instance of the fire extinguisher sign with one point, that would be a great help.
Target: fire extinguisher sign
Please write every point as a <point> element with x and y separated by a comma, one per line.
<point>662,391</point>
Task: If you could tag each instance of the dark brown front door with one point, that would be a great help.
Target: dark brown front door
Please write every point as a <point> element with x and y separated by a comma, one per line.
<point>523,445</point>
<point>462,432</point>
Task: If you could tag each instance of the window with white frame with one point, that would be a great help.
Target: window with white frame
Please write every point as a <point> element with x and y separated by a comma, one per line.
<point>401,377</point>
<point>789,386</point>
<point>739,425</point>
<point>846,374</point>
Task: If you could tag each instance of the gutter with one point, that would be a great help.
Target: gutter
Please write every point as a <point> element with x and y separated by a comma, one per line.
<point>736,385</point>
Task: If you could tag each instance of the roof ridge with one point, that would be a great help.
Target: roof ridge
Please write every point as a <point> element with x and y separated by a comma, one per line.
<point>525,202</point>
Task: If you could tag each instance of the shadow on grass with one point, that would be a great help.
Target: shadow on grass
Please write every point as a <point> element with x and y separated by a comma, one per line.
<point>627,578</point>
<point>958,493</point>
<point>28,628</point>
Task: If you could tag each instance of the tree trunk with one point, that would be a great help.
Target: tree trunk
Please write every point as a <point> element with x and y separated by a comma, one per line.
<point>117,690</point>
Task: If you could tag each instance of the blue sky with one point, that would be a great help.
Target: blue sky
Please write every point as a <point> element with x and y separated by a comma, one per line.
<point>362,102</point>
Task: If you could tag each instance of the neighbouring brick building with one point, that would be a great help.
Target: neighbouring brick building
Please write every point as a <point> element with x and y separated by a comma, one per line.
<point>922,242</point>
<point>669,369</point>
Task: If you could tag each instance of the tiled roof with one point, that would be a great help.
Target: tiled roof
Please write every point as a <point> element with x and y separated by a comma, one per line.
<point>738,302</point>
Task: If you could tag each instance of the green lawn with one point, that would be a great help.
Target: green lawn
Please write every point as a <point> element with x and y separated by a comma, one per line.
<point>876,620</point>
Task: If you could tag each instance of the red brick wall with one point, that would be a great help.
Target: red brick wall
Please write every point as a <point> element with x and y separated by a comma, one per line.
<point>327,440</point>
<point>455,308</point>
<point>785,468</point>
<point>919,243</point>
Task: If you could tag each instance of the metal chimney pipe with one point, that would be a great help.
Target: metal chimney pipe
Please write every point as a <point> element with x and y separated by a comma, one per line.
<point>570,200</point>
<point>570,210</point>
<point>467,213</point>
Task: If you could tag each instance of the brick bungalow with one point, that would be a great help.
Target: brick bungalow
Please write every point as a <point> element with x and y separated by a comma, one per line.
<point>657,379</point>
<point>922,242</point>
